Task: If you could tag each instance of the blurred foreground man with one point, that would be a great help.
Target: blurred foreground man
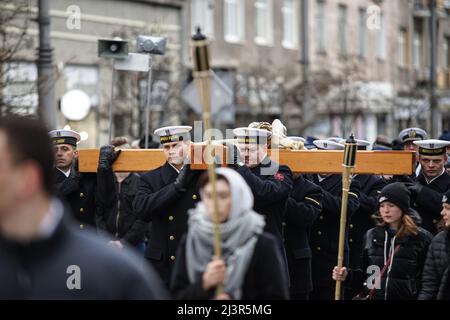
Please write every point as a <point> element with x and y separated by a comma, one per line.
<point>42,255</point>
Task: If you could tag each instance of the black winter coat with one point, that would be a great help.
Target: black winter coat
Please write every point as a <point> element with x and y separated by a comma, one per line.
<point>270,191</point>
<point>79,193</point>
<point>115,214</point>
<point>302,209</point>
<point>435,277</point>
<point>43,269</point>
<point>158,201</point>
<point>324,239</point>
<point>264,279</point>
<point>361,221</point>
<point>404,279</point>
<point>429,201</point>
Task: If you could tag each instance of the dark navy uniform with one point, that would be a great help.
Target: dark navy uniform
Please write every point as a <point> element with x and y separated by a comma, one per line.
<point>428,195</point>
<point>78,191</point>
<point>271,192</point>
<point>428,201</point>
<point>302,208</point>
<point>158,201</point>
<point>324,239</point>
<point>361,221</point>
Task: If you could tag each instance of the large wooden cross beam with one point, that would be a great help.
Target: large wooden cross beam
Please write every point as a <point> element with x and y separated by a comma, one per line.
<point>311,161</point>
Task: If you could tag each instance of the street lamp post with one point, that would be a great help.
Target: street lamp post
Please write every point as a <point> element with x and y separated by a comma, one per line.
<point>434,109</point>
<point>45,68</point>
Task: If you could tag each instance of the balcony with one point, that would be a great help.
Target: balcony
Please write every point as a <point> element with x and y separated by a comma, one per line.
<point>421,8</point>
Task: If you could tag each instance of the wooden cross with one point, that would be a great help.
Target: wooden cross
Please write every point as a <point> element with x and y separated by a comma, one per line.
<point>307,161</point>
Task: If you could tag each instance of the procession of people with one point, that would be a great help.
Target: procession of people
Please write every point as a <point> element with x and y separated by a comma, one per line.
<point>151,235</point>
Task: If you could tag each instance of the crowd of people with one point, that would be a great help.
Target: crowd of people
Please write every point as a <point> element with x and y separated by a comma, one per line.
<point>125,235</point>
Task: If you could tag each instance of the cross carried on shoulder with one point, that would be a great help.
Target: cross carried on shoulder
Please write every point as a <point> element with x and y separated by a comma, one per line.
<point>299,161</point>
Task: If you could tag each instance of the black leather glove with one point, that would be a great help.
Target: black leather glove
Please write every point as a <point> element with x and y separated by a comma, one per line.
<point>107,156</point>
<point>415,189</point>
<point>184,178</point>
<point>74,173</point>
<point>405,179</point>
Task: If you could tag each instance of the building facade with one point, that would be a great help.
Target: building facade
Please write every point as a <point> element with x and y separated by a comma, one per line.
<point>364,67</point>
<point>368,69</point>
<point>75,30</point>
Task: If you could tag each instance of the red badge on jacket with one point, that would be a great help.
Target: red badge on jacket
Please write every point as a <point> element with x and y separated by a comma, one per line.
<point>279,176</point>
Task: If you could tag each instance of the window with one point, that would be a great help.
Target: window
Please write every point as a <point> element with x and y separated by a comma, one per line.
<point>202,12</point>
<point>20,93</point>
<point>320,25</point>
<point>85,78</point>
<point>446,60</point>
<point>362,33</point>
<point>401,48</point>
<point>290,23</point>
<point>264,22</point>
<point>381,39</point>
<point>417,47</point>
<point>234,20</point>
<point>342,30</point>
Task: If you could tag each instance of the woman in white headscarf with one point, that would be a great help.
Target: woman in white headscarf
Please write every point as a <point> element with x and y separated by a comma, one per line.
<point>250,266</point>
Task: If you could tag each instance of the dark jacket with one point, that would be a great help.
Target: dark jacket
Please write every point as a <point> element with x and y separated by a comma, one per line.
<point>324,240</point>
<point>78,191</point>
<point>115,214</point>
<point>404,279</point>
<point>429,201</point>
<point>435,277</point>
<point>263,280</point>
<point>302,209</point>
<point>46,268</point>
<point>158,201</point>
<point>361,221</point>
<point>271,192</point>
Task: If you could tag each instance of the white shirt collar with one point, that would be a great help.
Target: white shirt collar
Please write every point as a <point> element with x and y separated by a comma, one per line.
<point>430,181</point>
<point>65,173</point>
<point>178,171</point>
<point>51,220</point>
<point>418,169</point>
<point>321,178</point>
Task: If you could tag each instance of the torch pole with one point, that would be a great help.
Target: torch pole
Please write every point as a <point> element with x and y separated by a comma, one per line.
<point>348,165</point>
<point>202,77</point>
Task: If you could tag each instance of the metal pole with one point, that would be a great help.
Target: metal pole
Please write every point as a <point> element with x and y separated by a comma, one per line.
<point>111,105</point>
<point>434,109</point>
<point>149,97</point>
<point>46,71</point>
<point>304,60</point>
